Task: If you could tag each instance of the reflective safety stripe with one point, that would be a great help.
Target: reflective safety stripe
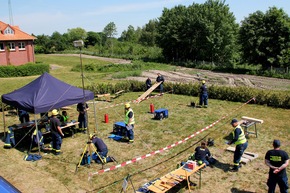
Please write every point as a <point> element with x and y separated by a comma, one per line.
<point>7,145</point>
<point>127,117</point>
<point>57,150</point>
<point>242,138</point>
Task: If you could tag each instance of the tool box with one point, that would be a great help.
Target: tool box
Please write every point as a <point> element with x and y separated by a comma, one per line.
<point>119,128</point>
<point>160,114</point>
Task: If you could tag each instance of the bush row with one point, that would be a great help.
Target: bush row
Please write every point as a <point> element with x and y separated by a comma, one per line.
<point>29,69</point>
<point>280,99</point>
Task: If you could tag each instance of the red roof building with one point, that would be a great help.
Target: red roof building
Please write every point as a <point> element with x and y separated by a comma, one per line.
<point>16,46</point>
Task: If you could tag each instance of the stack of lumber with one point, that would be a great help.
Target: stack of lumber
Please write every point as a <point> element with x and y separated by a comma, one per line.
<point>246,157</point>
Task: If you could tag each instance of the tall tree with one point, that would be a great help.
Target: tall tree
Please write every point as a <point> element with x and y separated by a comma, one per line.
<point>110,31</point>
<point>58,41</point>
<point>42,44</point>
<point>129,35</point>
<point>199,32</point>
<point>76,34</point>
<point>265,38</point>
<point>149,33</point>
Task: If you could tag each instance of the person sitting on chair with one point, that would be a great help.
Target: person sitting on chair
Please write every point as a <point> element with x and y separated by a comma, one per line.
<point>102,150</point>
<point>64,117</point>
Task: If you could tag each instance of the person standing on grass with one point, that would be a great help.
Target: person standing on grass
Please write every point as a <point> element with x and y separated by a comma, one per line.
<point>277,160</point>
<point>82,108</point>
<point>203,95</point>
<point>129,121</point>
<point>56,132</point>
<point>160,78</point>
<point>239,139</point>
<point>148,83</point>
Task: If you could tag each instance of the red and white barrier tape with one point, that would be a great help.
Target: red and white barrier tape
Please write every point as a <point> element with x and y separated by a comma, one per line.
<point>165,148</point>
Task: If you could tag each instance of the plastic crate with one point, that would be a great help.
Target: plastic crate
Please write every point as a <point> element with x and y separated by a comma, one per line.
<point>119,128</point>
<point>160,114</point>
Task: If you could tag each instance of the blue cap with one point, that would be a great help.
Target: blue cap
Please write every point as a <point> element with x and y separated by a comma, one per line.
<point>234,121</point>
<point>276,143</point>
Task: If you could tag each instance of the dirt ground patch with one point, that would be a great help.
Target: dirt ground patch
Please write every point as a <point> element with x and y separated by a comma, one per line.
<point>188,75</point>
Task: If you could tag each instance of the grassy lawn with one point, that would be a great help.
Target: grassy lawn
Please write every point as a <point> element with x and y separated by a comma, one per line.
<point>57,174</point>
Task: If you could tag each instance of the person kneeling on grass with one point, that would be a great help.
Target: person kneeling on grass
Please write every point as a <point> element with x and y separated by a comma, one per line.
<point>203,155</point>
<point>102,150</point>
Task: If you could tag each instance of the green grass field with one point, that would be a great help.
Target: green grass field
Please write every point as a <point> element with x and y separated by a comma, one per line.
<point>57,173</point>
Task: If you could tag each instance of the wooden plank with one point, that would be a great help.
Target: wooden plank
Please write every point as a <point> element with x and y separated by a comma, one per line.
<point>246,157</point>
<point>162,185</point>
<point>251,158</point>
<point>252,119</point>
<point>145,94</point>
<point>119,92</point>
<point>249,153</point>
<point>102,95</point>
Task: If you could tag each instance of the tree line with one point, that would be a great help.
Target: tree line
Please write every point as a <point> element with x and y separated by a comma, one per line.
<point>199,32</point>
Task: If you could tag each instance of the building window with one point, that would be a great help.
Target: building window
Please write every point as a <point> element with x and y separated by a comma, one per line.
<point>21,46</point>
<point>2,46</point>
<point>8,30</point>
<point>11,46</point>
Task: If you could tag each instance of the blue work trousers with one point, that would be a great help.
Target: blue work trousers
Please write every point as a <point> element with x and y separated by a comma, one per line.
<point>130,133</point>
<point>203,100</point>
<point>161,88</point>
<point>281,181</point>
<point>82,119</point>
<point>56,141</point>
<point>103,155</point>
<point>239,152</point>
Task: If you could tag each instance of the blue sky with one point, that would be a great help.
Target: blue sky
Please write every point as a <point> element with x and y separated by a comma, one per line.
<point>45,17</point>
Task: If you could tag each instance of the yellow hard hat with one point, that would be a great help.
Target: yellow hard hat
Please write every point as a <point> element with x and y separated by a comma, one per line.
<point>203,82</point>
<point>54,112</point>
<point>92,135</point>
<point>127,105</point>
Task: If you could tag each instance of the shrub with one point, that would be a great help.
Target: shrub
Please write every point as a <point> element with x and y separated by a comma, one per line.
<point>29,69</point>
<point>280,99</point>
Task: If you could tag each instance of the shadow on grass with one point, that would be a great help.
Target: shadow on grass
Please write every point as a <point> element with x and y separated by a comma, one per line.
<point>236,190</point>
<point>223,166</point>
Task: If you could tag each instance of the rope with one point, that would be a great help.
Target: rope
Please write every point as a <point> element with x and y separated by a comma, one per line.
<point>167,147</point>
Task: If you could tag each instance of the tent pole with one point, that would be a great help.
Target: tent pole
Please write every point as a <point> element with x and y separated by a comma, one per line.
<point>4,123</point>
<point>95,113</point>
<point>37,137</point>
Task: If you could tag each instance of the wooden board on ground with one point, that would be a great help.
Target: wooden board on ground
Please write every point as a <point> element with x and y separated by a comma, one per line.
<point>105,97</point>
<point>246,157</point>
<point>145,94</point>
<point>117,94</point>
<point>252,119</point>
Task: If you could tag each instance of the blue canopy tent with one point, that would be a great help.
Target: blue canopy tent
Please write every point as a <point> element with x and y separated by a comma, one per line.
<point>44,94</point>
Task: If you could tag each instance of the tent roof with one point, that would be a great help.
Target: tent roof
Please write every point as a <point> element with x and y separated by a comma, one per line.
<point>46,93</point>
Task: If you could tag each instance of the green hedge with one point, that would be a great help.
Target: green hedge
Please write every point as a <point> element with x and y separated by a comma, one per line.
<point>280,99</point>
<point>29,69</point>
